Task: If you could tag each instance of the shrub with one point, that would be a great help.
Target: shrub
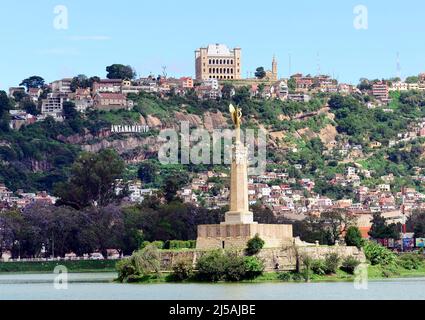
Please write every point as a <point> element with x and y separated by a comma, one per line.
<point>377,254</point>
<point>254,267</point>
<point>411,261</point>
<point>284,276</point>
<point>231,266</point>
<point>158,244</point>
<point>125,269</point>
<point>142,263</point>
<point>147,260</point>
<point>210,266</point>
<point>307,263</point>
<point>349,264</point>
<point>353,237</point>
<point>182,270</point>
<point>144,244</point>
<point>254,245</point>
<point>234,267</point>
<point>318,267</point>
<point>298,276</point>
<point>332,261</point>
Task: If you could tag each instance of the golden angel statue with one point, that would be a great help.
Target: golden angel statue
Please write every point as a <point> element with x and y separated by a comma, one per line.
<point>236,114</point>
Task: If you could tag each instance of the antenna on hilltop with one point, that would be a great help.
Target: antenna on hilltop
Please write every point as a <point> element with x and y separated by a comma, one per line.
<point>290,65</point>
<point>398,66</point>
<point>164,71</point>
<point>319,71</point>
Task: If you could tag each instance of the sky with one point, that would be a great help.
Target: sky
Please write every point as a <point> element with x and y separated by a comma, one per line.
<point>307,36</point>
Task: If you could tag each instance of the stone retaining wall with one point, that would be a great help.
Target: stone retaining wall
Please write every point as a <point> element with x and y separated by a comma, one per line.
<point>287,257</point>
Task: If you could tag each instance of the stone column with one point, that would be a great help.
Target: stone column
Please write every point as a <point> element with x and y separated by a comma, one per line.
<point>239,205</point>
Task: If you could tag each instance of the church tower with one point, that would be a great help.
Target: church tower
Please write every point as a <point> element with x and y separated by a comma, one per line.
<point>274,69</point>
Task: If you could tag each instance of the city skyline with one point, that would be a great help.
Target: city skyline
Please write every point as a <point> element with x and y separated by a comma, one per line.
<point>92,41</point>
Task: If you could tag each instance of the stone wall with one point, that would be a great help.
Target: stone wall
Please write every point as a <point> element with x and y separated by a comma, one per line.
<point>286,257</point>
<point>236,236</point>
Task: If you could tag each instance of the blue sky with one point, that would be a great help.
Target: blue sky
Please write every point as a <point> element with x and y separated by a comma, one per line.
<point>152,34</point>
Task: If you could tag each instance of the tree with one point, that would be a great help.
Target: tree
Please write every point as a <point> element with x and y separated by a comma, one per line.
<point>336,223</point>
<point>263,214</point>
<point>412,79</point>
<point>33,82</point>
<point>260,73</point>
<point>381,230</point>
<point>148,171</point>
<point>353,237</point>
<point>119,71</point>
<point>173,183</point>
<point>69,110</point>
<point>292,84</point>
<point>5,106</point>
<point>29,107</point>
<point>83,82</point>
<point>254,245</point>
<point>227,91</point>
<point>106,228</point>
<point>364,85</point>
<point>416,223</point>
<point>93,180</point>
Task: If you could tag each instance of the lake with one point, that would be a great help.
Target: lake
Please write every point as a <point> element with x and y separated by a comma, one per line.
<point>98,286</point>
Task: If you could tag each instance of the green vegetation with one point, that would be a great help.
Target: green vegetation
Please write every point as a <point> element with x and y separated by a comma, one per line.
<point>349,264</point>
<point>229,266</point>
<point>353,237</point>
<point>49,266</point>
<point>254,245</point>
<point>143,263</point>
<point>379,255</point>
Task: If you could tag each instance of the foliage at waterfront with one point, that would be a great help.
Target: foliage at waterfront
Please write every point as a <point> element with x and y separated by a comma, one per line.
<point>212,266</point>
<point>49,266</point>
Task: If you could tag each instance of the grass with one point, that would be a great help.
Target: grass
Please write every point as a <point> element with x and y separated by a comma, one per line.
<point>119,117</point>
<point>49,266</point>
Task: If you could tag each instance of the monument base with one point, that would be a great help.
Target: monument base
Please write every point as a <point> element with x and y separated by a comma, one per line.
<point>236,236</point>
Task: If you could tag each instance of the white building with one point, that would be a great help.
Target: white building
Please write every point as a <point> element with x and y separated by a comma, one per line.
<point>52,106</point>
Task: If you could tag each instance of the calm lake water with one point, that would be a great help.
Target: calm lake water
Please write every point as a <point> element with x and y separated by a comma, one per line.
<point>98,286</point>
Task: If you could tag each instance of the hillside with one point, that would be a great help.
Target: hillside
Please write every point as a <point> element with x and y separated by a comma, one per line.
<point>310,135</point>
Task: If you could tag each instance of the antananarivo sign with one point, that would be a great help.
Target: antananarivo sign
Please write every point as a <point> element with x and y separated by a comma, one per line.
<point>129,129</point>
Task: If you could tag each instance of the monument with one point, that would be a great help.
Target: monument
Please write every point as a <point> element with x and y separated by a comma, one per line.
<point>239,225</point>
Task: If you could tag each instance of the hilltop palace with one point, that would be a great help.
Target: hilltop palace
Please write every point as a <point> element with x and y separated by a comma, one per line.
<point>239,225</point>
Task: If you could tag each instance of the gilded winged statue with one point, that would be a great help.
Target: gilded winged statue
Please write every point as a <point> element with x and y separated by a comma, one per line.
<point>236,114</point>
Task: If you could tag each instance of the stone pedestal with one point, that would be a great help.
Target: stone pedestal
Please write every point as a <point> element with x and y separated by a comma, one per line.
<point>236,236</point>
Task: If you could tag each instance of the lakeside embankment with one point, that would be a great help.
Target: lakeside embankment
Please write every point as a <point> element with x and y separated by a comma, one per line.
<point>374,273</point>
<point>92,266</point>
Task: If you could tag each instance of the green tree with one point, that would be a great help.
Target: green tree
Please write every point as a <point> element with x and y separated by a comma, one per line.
<point>254,245</point>
<point>33,82</point>
<point>29,107</point>
<point>353,237</point>
<point>260,73</point>
<point>412,79</point>
<point>119,71</point>
<point>381,230</point>
<point>416,223</point>
<point>93,180</point>
<point>148,171</point>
